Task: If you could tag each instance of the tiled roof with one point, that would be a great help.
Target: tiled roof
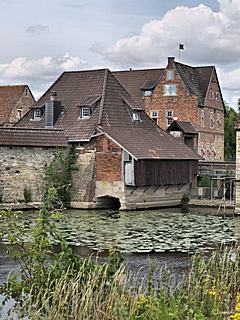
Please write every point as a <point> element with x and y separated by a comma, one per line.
<point>134,81</point>
<point>150,143</point>
<point>196,79</point>
<point>9,96</point>
<point>113,114</point>
<point>32,137</point>
<point>184,126</point>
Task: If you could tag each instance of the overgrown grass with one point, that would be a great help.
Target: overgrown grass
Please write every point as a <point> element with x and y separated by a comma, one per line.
<point>63,286</point>
<point>210,292</point>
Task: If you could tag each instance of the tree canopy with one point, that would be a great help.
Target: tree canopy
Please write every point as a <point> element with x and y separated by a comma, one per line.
<point>230,134</point>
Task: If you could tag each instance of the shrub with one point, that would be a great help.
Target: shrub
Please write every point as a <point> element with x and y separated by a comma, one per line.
<point>27,194</point>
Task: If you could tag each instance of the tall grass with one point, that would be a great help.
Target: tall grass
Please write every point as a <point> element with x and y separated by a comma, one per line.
<point>210,292</point>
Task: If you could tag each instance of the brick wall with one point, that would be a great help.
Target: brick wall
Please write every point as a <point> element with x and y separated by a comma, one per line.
<point>21,107</point>
<point>183,106</point>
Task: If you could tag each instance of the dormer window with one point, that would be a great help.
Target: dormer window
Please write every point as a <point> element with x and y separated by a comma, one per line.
<point>147,93</point>
<point>136,116</point>
<point>37,114</point>
<point>85,112</point>
<point>169,74</point>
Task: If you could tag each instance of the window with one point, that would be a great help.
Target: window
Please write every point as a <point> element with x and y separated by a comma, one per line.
<point>211,95</point>
<point>26,92</point>
<point>202,118</point>
<point>218,121</point>
<point>217,96</point>
<point>19,111</point>
<point>169,74</point>
<point>170,90</point>
<point>136,116</point>
<point>169,115</point>
<point>36,114</point>
<point>147,93</point>
<point>154,116</point>
<point>211,120</point>
<point>85,112</point>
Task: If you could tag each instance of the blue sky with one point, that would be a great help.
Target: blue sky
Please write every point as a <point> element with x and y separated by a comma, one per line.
<point>39,40</point>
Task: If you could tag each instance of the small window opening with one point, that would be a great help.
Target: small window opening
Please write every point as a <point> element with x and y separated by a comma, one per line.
<point>170,90</point>
<point>217,96</point>
<point>211,95</point>
<point>36,114</point>
<point>147,93</point>
<point>85,112</point>
<point>202,118</point>
<point>169,115</point>
<point>154,116</point>
<point>136,116</point>
<point>169,74</point>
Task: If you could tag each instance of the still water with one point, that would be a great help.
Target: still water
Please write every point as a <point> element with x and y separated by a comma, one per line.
<point>165,236</point>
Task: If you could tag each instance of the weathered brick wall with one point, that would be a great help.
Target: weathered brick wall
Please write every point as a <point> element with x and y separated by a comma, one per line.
<point>185,107</point>
<point>23,105</point>
<point>108,160</point>
<point>22,167</point>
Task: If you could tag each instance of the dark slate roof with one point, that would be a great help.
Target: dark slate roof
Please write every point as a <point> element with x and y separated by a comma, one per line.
<point>9,96</point>
<point>146,143</point>
<point>32,137</point>
<point>134,81</point>
<point>183,126</point>
<point>112,114</point>
<point>196,79</point>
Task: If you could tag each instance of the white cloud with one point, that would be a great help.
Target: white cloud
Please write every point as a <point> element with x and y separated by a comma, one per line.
<point>209,37</point>
<point>38,73</point>
<point>37,29</point>
<point>230,84</point>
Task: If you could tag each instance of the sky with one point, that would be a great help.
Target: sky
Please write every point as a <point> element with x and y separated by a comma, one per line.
<point>41,39</point>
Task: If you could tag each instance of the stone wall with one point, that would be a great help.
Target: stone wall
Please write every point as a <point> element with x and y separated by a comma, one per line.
<point>20,168</point>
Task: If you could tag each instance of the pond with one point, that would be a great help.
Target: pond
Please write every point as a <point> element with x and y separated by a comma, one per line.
<point>165,235</point>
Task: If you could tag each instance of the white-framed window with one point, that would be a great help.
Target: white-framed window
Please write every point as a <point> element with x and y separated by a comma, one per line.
<point>85,112</point>
<point>211,120</point>
<point>169,74</point>
<point>147,93</point>
<point>217,96</point>
<point>136,116</point>
<point>202,118</point>
<point>170,90</point>
<point>169,116</point>
<point>37,114</point>
<point>154,116</point>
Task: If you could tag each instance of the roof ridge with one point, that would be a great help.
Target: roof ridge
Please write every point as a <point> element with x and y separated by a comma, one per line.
<point>134,70</point>
<point>103,97</point>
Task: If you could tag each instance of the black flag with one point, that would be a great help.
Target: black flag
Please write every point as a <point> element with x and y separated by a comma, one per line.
<point>181,46</point>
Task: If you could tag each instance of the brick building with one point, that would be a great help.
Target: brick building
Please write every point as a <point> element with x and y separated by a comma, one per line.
<point>122,154</point>
<point>15,101</point>
<point>188,94</point>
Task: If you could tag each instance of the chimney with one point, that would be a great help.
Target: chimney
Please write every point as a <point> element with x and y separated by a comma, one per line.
<point>170,62</point>
<point>53,110</point>
<point>53,96</point>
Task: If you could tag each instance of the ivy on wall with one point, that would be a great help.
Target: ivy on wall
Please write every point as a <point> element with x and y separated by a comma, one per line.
<point>59,175</point>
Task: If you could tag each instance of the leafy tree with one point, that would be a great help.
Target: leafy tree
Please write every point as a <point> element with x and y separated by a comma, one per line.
<point>59,175</point>
<point>230,134</point>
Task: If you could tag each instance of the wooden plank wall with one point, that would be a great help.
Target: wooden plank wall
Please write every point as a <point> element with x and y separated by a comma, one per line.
<point>164,172</point>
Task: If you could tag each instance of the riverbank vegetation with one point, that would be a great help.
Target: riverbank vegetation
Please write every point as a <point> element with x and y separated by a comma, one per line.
<point>58,284</point>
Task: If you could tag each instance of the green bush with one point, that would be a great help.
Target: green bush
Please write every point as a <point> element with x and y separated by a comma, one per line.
<point>27,194</point>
